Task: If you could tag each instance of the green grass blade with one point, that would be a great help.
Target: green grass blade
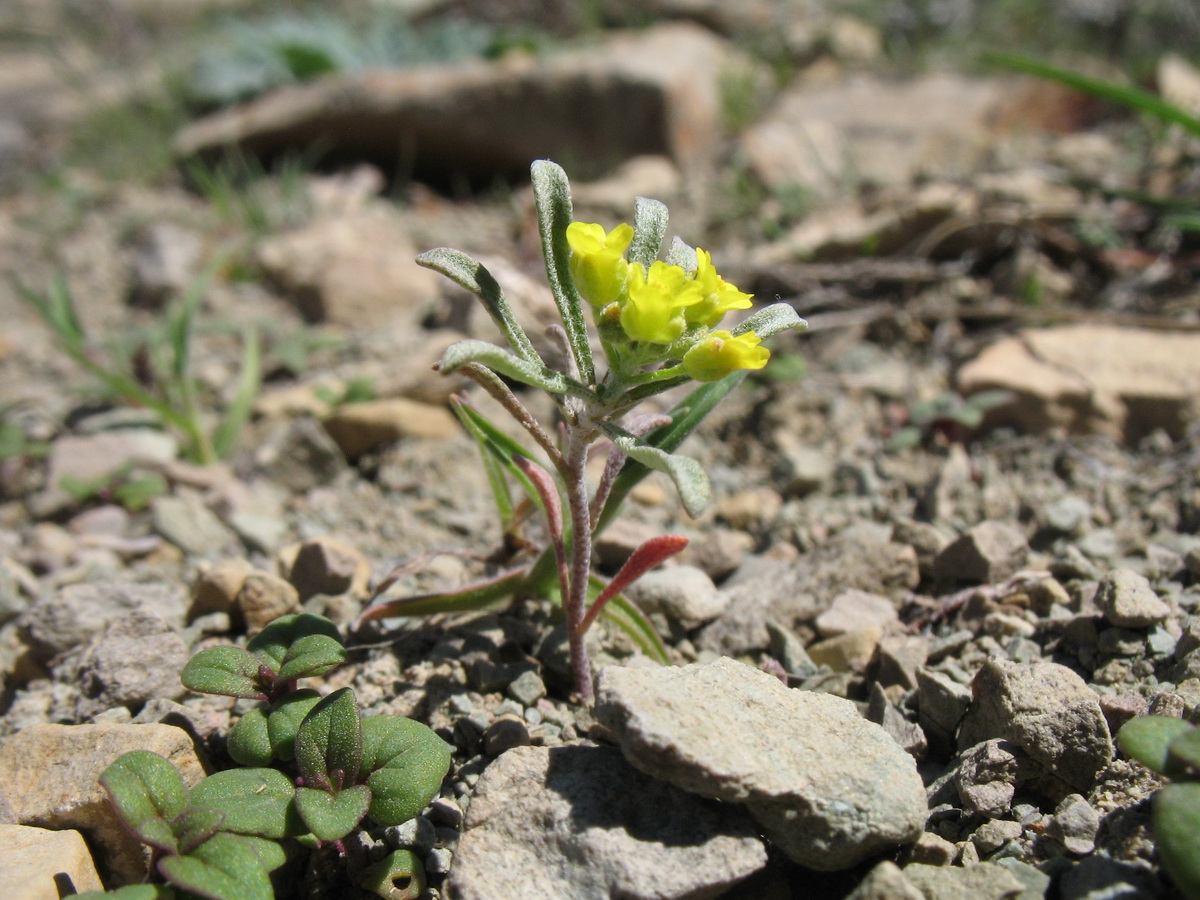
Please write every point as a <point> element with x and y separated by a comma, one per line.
<point>477,596</point>
<point>1131,97</point>
<point>492,466</point>
<point>621,613</point>
<point>503,448</point>
<point>225,437</point>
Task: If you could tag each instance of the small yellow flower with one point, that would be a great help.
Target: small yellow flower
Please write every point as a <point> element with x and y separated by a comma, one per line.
<point>719,296</point>
<point>598,265</point>
<point>719,353</point>
<point>654,311</point>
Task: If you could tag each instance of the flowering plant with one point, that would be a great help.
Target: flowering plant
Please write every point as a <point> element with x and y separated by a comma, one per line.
<point>657,323</point>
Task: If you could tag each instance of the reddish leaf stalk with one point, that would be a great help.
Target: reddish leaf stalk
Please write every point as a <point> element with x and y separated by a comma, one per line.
<point>649,555</point>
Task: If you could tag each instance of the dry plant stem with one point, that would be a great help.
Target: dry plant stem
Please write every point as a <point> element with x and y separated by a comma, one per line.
<point>575,603</point>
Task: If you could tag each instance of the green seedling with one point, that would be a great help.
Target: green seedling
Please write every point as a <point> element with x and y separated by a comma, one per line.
<point>948,417</point>
<point>1171,747</point>
<point>315,771</point>
<point>125,485</point>
<point>169,389</point>
<point>658,324</point>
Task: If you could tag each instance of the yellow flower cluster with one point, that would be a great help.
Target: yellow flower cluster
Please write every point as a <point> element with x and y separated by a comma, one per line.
<point>662,304</point>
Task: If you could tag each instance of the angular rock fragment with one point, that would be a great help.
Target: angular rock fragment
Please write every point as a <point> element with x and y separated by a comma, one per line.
<point>50,774</point>
<point>1045,709</point>
<point>1126,600</point>
<point>579,823</point>
<point>989,552</point>
<point>826,785</point>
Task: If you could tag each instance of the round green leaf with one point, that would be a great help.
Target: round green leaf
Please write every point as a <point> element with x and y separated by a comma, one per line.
<point>406,762</point>
<point>315,654</point>
<point>332,816</point>
<point>330,740</point>
<point>249,743</point>
<point>148,793</point>
<point>229,671</point>
<point>272,642</point>
<point>225,867</point>
<point>1183,753</point>
<point>1177,834</point>
<point>1146,739</point>
<point>195,825</point>
<point>284,721</point>
<point>398,876</point>
<point>253,801</point>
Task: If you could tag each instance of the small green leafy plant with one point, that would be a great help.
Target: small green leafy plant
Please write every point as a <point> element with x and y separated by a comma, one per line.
<point>315,769</point>
<point>164,385</point>
<point>125,485</point>
<point>1171,747</point>
<point>658,325</point>
<point>949,417</point>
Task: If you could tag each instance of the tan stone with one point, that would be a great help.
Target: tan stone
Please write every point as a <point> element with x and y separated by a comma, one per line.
<point>40,864</point>
<point>819,136</point>
<point>656,90</point>
<point>356,270</point>
<point>217,586</point>
<point>264,598</point>
<point>1092,378</point>
<point>850,651</point>
<point>326,565</point>
<point>51,776</point>
<point>360,427</point>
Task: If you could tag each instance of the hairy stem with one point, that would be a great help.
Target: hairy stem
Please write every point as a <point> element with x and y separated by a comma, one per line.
<point>575,603</point>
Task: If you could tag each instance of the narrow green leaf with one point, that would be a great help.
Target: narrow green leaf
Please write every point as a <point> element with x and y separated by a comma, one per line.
<point>284,721</point>
<point>622,613</point>
<point>535,374</point>
<point>503,447</point>
<point>552,198</point>
<point>254,801</point>
<point>229,671</point>
<point>148,793</point>
<point>771,320</point>
<point>475,277</point>
<point>398,876</point>
<point>473,597</point>
<point>224,439</point>
<point>688,475</point>
<point>311,656</point>
<point>407,762</point>
<point>1131,97</point>
<point>649,228</point>
<point>682,255</point>
<point>225,867</point>
<point>493,465</point>
<point>1147,738</point>
<point>330,741</point>
<point>249,743</point>
<point>273,641</point>
<point>1176,823</point>
<point>333,816</point>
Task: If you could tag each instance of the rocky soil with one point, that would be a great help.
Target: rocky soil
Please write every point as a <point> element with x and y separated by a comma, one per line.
<point>904,632</point>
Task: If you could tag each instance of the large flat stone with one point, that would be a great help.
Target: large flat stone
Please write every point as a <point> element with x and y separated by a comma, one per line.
<point>829,787</point>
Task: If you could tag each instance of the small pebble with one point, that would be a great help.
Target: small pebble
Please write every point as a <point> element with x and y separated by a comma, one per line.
<point>437,861</point>
<point>504,734</point>
<point>994,834</point>
<point>527,688</point>
<point>445,812</point>
<point>417,834</point>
